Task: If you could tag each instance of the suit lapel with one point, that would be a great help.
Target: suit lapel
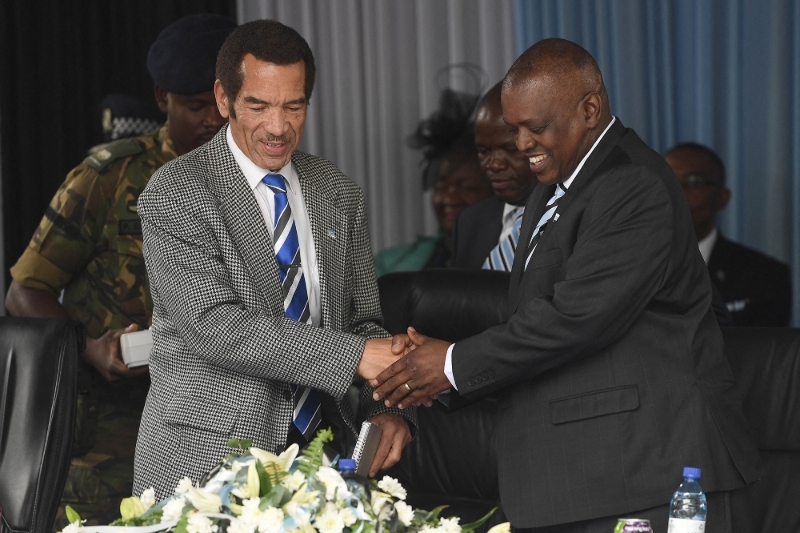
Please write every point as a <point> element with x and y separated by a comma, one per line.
<point>329,229</point>
<point>543,194</point>
<point>245,223</point>
<point>533,212</point>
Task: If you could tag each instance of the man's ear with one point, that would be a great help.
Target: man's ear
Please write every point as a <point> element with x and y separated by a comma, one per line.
<point>161,98</point>
<point>222,100</point>
<point>591,106</point>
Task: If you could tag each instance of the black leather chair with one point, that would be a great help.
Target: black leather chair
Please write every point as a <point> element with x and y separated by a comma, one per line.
<point>38,364</point>
<point>453,461</point>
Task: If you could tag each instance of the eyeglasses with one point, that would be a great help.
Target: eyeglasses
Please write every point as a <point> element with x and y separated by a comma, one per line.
<point>695,180</point>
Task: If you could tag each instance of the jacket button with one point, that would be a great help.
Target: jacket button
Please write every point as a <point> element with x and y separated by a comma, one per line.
<point>287,394</point>
<point>491,373</point>
<point>471,382</point>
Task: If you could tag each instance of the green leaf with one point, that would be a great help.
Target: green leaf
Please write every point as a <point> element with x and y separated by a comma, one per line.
<point>240,444</point>
<point>311,460</point>
<point>72,515</point>
<point>278,497</point>
<point>265,483</point>
<point>476,524</point>
<point>180,527</point>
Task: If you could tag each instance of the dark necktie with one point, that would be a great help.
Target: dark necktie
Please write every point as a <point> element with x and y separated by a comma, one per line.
<point>307,401</point>
<point>552,204</point>
<point>502,256</point>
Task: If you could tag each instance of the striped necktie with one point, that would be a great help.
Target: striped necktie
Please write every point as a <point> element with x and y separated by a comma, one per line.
<point>502,256</point>
<point>552,204</point>
<point>307,401</point>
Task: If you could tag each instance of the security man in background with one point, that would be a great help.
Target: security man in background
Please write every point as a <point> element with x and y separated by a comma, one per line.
<point>85,262</point>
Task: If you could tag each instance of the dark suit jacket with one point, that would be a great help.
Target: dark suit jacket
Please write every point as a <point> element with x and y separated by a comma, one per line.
<point>609,373</point>
<point>476,232</point>
<point>756,288</point>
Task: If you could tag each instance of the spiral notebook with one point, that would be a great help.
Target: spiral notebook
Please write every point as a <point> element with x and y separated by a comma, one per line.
<point>366,446</point>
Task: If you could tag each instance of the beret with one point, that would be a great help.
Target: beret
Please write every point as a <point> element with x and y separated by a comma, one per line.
<point>183,58</point>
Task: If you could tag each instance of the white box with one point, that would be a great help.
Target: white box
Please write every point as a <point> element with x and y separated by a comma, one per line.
<point>136,347</point>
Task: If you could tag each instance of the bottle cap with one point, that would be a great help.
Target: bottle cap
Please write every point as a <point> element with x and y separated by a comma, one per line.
<point>692,472</point>
<point>347,464</point>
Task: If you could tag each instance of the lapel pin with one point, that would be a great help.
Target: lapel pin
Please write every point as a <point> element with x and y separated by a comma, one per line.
<point>555,217</point>
<point>332,233</point>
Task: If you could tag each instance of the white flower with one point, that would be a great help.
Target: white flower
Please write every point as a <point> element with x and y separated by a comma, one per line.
<point>334,484</point>
<point>393,487</point>
<point>250,508</point>
<point>283,461</point>
<point>200,524</point>
<point>428,529</point>
<point>74,527</point>
<point>329,521</point>
<point>404,512</point>
<point>183,486</point>
<point>348,516</point>
<point>205,502</point>
<point>505,527</point>
<point>293,481</point>
<point>271,520</point>
<point>381,504</point>
<point>148,498</point>
<point>450,525</point>
<point>173,509</point>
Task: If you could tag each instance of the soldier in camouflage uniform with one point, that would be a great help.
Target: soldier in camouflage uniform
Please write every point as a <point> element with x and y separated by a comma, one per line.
<point>88,250</point>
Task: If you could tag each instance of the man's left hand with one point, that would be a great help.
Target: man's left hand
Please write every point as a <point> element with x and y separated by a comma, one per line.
<point>417,378</point>
<point>394,438</point>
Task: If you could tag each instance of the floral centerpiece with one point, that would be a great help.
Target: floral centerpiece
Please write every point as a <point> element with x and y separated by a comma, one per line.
<point>259,492</point>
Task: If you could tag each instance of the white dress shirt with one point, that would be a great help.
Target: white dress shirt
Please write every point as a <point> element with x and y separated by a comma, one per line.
<point>509,216</point>
<point>707,244</point>
<point>448,362</point>
<point>266,203</point>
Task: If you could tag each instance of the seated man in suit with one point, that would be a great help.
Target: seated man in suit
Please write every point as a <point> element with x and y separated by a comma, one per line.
<point>265,303</point>
<point>486,234</point>
<point>609,373</point>
<point>756,288</point>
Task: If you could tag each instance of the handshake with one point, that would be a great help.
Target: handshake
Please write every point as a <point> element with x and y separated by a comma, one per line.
<point>405,370</point>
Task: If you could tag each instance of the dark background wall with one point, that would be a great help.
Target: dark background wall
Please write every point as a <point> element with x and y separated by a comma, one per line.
<point>57,61</point>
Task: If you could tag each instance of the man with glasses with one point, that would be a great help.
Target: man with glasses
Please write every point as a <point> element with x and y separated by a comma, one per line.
<point>756,288</point>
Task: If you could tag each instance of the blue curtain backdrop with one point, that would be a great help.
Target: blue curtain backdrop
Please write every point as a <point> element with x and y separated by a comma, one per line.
<point>725,73</point>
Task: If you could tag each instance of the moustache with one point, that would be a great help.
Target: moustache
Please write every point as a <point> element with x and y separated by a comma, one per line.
<point>276,139</point>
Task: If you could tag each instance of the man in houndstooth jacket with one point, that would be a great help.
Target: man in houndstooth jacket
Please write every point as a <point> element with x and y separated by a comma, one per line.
<point>225,357</point>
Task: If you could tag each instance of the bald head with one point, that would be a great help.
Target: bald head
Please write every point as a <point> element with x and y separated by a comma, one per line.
<point>554,99</point>
<point>558,61</point>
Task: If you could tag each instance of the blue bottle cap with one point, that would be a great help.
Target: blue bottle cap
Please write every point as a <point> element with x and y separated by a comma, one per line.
<point>347,464</point>
<point>692,472</point>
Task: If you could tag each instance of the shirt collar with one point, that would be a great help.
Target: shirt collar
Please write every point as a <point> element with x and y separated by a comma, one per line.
<point>567,182</point>
<point>707,243</point>
<point>509,209</point>
<point>252,172</point>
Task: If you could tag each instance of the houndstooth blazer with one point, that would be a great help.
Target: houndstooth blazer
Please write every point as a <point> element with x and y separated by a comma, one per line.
<point>224,355</point>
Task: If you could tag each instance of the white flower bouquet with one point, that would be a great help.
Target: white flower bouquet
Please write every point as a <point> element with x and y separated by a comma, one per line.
<point>259,492</point>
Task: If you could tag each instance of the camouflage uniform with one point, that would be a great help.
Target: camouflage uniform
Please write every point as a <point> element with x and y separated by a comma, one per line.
<point>89,244</point>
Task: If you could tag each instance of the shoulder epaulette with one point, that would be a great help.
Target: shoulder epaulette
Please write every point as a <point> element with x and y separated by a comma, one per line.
<point>105,154</point>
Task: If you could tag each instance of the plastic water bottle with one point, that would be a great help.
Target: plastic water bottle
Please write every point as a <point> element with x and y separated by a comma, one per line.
<point>354,482</point>
<point>688,508</point>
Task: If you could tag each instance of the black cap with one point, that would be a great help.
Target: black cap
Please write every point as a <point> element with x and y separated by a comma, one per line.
<point>183,58</point>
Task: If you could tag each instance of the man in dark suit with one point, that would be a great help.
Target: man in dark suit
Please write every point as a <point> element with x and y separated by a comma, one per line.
<point>609,373</point>
<point>486,233</point>
<point>265,304</point>
<point>756,288</point>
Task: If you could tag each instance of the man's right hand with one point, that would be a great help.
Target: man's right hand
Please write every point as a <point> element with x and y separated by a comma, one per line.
<point>103,353</point>
<point>381,353</point>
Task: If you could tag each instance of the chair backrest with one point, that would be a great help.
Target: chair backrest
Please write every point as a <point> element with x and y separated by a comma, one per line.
<point>38,365</point>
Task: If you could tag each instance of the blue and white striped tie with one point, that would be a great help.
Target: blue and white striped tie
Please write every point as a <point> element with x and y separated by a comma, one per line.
<point>552,204</point>
<point>502,256</point>
<point>307,401</point>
